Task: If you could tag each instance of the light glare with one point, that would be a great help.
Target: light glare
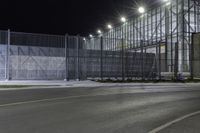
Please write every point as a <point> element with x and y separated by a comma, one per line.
<point>99,31</point>
<point>141,10</point>
<point>91,36</point>
<point>109,26</point>
<point>168,3</point>
<point>123,19</point>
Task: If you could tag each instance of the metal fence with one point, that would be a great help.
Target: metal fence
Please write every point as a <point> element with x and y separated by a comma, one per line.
<point>155,45</point>
<point>34,56</point>
<point>25,56</point>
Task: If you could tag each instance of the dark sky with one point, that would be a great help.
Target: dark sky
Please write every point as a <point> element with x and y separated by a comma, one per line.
<point>61,16</point>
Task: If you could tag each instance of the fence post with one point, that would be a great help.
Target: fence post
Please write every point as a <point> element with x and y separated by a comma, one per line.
<point>8,57</point>
<point>77,58</point>
<point>159,56</point>
<point>101,71</point>
<point>123,59</point>
<point>66,59</point>
<point>192,58</point>
<point>176,61</point>
<point>142,57</point>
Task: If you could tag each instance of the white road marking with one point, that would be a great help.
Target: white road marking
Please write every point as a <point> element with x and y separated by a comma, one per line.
<point>80,96</point>
<point>158,129</point>
<point>45,100</point>
<point>61,98</point>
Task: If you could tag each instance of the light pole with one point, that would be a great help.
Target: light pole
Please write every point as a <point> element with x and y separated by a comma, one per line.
<point>141,10</point>
<point>123,20</point>
<point>91,41</point>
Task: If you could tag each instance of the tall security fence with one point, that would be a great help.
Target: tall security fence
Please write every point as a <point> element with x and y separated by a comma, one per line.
<point>32,56</point>
<point>164,30</point>
<point>27,56</point>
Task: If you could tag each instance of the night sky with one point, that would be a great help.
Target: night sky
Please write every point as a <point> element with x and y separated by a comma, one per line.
<point>63,16</point>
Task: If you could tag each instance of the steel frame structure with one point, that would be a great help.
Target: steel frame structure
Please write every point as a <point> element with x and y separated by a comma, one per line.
<point>167,29</point>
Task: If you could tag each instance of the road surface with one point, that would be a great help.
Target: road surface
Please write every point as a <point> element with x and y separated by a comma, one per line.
<point>112,109</point>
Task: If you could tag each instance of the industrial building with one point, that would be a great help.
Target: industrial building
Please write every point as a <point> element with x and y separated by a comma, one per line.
<point>159,43</point>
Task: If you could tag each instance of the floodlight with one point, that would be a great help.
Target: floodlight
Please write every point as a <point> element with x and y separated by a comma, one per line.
<point>123,19</point>
<point>91,36</point>
<point>99,31</point>
<point>141,9</point>
<point>109,26</point>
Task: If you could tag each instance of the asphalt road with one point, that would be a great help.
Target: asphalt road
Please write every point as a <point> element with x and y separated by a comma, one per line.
<point>121,109</point>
